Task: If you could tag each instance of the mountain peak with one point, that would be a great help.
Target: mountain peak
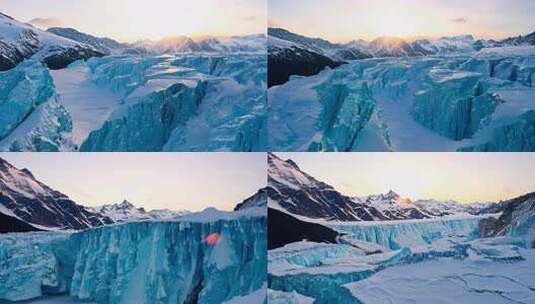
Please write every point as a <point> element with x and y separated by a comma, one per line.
<point>126,204</point>
<point>392,194</point>
<point>27,172</point>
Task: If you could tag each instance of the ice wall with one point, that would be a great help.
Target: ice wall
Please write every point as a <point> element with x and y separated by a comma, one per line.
<point>143,262</point>
<point>410,233</point>
<point>32,118</point>
<point>183,103</point>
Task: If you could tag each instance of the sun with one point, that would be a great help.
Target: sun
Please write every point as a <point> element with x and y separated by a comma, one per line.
<point>393,23</point>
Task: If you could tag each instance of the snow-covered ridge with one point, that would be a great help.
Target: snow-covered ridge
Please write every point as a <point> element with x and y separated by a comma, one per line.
<point>224,45</point>
<point>126,211</point>
<point>280,39</point>
<point>293,191</point>
<point>24,197</point>
<point>19,41</point>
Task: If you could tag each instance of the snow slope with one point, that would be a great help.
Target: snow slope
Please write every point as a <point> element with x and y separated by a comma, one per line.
<point>19,41</point>
<point>87,104</point>
<point>25,198</point>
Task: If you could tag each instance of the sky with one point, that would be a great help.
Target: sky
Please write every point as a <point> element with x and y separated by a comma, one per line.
<point>130,20</point>
<point>176,181</point>
<point>464,177</point>
<point>345,20</point>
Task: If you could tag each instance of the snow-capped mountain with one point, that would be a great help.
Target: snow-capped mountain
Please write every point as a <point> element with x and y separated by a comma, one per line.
<point>259,199</point>
<point>521,40</point>
<point>127,212</point>
<point>517,217</point>
<point>360,49</point>
<point>19,41</point>
<point>184,44</point>
<point>27,204</point>
<point>102,44</point>
<point>293,54</point>
<point>293,191</point>
<point>25,198</point>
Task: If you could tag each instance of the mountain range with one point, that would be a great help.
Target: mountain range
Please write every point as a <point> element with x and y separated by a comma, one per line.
<point>299,206</point>
<point>27,204</point>
<point>58,47</point>
<point>294,191</point>
<point>19,41</point>
<point>293,54</point>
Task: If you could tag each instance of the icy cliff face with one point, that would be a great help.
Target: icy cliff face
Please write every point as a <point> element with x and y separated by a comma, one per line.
<point>471,102</point>
<point>399,234</point>
<point>146,262</point>
<point>32,116</point>
<point>183,103</point>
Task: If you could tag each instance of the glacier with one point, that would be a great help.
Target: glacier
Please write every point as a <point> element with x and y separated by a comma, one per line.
<point>182,102</point>
<point>33,118</point>
<point>480,101</point>
<point>407,261</point>
<point>141,262</point>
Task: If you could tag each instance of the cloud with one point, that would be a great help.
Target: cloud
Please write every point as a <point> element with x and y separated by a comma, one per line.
<point>459,20</point>
<point>48,22</point>
<point>250,18</point>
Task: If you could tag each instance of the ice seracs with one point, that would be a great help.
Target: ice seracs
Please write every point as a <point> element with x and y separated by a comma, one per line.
<point>467,102</point>
<point>142,262</point>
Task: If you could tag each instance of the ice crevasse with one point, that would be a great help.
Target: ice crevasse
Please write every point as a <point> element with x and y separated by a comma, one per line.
<point>467,102</point>
<point>184,102</point>
<point>141,262</point>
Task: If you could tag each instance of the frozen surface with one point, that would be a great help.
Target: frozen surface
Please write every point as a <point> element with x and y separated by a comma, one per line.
<point>281,297</point>
<point>475,101</point>
<point>145,262</point>
<point>88,105</point>
<point>416,261</point>
<point>451,281</point>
